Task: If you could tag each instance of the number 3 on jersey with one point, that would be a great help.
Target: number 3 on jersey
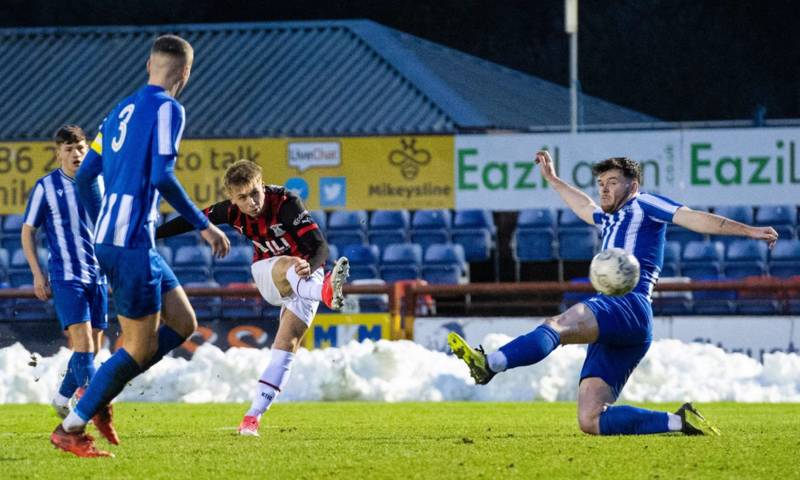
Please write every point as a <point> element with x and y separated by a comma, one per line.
<point>124,118</point>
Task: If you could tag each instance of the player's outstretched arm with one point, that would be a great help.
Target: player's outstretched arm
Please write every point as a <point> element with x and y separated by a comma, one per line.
<point>704,222</point>
<point>305,231</point>
<point>580,203</point>
<point>216,214</point>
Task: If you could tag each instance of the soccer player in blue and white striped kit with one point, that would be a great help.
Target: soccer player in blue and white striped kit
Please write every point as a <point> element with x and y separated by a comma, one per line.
<point>618,330</point>
<point>75,282</point>
<point>136,150</point>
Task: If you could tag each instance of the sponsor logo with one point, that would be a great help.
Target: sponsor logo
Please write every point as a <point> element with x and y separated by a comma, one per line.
<point>306,155</point>
<point>409,158</point>
<point>332,191</point>
<point>277,230</point>
<point>60,192</point>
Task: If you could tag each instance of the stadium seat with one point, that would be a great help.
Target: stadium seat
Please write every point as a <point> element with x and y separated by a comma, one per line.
<point>536,218</point>
<point>241,308</point>
<point>188,239</point>
<point>343,238</point>
<point>533,244</point>
<point>430,226</point>
<point>783,218</point>
<point>367,302</point>
<point>472,219</point>
<point>740,213</point>
<point>784,259</point>
<point>12,228</point>
<point>5,260</point>
<point>401,261</point>
<point>570,298</point>
<point>672,260</point>
<point>568,218</point>
<point>364,260</point>
<point>388,226</point>
<point>682,235</point>
<point>320,218</point>
<point>238,256</point>
<point>477,243</point>
<point>444,263</point>
<point>165,252</point>
<point>197,256</point>
<point>577,243</point>
<point>348,220</point>
<point>745,258</point>
<point>224,275</point>
<point>333,255</point>
<point>702,259</point>
<point>713,302</point>
<point>33,309</point>
<point>205,308</point>
<point>191,274</point>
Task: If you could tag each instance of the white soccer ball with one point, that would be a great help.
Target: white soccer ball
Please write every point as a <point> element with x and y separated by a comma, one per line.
<point>614,272</point>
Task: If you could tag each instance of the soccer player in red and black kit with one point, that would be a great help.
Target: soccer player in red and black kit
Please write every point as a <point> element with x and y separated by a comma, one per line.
<point>288,254</point>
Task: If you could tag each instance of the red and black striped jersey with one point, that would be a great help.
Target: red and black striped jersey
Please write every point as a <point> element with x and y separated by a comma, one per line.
<point>284,227</point>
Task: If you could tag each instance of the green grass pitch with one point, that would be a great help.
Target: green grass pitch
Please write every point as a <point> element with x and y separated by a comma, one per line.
<point>406,440</point>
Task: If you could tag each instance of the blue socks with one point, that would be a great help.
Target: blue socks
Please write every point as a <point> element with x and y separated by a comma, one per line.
<point>627,420</point>
<point>109,380</point>
<point>168,340</point>
<point>532,347</point>
<point>80,370</point>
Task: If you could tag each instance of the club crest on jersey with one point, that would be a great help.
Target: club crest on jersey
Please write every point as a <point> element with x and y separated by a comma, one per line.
<point>277,230</point>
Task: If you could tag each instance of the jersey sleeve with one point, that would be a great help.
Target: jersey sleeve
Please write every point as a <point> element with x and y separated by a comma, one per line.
<point>658,208</point>
<point>597,216</point>
<point>35,209</point>
<point>217,214</point>
<point>299,223</point>
<point>169,129</point>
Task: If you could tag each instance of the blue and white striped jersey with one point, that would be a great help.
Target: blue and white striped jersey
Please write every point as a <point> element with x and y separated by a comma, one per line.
<point>639,227</point>
<point>54,203</point>
<point>136,150</point>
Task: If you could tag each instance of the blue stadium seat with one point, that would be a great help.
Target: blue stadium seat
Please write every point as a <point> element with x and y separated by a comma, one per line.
<point>389,226</point>
<point>740,213</point>
<point>783,218</point>
<point>745,258</point>
<point>472,219</point>
<point>188,239</point>
<point>401,261</point>
<point>242,308</point>
<point>430,226</point>
<point>568,218</point>
<point>444,263</point>
<point>238,256</point>
<point>348,220</point>
<point>536,218</point>
<point>577,243</point>
<point>320,218</point>
<point>225,275</point>
<point>12,228</point>
<point>431,220</point>
<point>683,236</point>
<point>33,309</point>
<point>5,260</point>
<point>571,298</point>
<point>702,259</point>
<point>364,260</point>
<point>784,259</point>
<point>333,255</point>
<point>191,274</point>
<point>205,308</point>
<point>198,256</point>
<point>165,252</point>
<point>20,277</point>
<point>343,238</point>
<point>672,260</point>
<point>477,243</point>
<point>533,244</point>
<point>713,302</point>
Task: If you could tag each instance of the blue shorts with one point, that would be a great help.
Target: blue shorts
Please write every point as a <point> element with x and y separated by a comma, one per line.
<point>626,331</point>
<point>138,278</point>
<point>78,302</point>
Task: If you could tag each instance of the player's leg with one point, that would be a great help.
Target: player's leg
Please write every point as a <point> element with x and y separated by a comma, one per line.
<point>327,289</point>
<point>178,323</point>
<point>577,325</point>
<point>296,316</point>
<point>72,305</point>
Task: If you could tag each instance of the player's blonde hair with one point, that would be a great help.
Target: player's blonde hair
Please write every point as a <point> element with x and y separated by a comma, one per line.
<point>241,173</point>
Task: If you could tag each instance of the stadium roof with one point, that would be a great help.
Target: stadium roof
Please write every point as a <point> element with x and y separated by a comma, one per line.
<point>315,78</point>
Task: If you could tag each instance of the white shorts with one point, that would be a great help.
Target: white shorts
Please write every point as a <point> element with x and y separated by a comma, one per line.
<point>304,308</point>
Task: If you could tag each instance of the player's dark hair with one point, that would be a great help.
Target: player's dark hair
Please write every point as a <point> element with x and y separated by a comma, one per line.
<point>174,46</point>
<point>630,168</point>
<point>241,172</point>
<point>69,134</point>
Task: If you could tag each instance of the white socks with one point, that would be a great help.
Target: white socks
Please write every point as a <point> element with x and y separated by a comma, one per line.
<point>497,361</point>
<point>73,422</point>
<point>309,288</point>
<point>60,400</point>
<point>674,422</point>
<point>272,381</point>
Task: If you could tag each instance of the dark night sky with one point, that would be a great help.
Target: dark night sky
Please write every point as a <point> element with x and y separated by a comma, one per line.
<point>675,59</point>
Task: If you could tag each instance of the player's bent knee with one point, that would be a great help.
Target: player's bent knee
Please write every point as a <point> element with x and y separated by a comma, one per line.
<point>589,422</point>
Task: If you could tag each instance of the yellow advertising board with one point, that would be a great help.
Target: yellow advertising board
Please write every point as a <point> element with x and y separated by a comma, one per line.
<point>336,330</point>
<point>368,173</point>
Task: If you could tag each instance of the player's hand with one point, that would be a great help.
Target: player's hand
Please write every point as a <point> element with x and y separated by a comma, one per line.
<point>768,234</point>
<point>545,162</point>
<point>302,268</point>
<point>41,287</point>
<point>216,238</point>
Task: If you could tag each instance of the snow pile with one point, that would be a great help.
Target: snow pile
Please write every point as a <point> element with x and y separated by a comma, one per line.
<point>405,371</point>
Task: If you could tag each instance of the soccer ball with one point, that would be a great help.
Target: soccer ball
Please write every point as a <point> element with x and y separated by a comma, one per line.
<point>614,272</point>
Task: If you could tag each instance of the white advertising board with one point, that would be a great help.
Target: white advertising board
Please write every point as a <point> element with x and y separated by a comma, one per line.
<point>695,167</point>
